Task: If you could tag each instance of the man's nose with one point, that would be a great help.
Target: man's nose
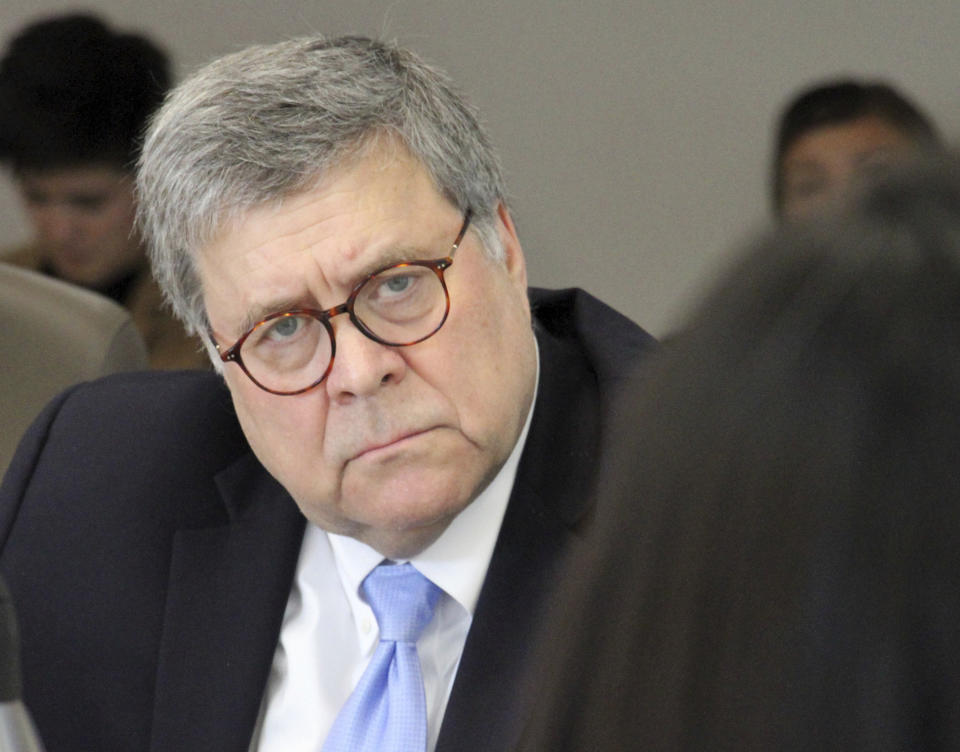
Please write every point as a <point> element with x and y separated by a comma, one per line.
<point>360,365</point>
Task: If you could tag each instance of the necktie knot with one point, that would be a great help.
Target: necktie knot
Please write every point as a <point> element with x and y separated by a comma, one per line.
<point>402,600</point>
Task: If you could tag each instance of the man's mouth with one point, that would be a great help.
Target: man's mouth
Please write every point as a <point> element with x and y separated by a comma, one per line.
<point>392,442</point>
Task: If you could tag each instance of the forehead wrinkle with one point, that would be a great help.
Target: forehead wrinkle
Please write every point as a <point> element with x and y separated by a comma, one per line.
<point>310,233</point>
<point>302,229</point>
<point>301,292</point>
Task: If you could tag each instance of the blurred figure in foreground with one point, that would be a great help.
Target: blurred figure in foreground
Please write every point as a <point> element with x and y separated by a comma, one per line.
<point>836,133</point>
<point>777,567</point>
<point>75,97</point>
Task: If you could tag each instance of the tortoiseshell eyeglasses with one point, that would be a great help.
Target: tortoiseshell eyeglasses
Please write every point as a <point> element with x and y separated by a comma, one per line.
<point>292,351</point>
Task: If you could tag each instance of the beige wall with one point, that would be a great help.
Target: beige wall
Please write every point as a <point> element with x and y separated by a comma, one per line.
<point>635,134</point>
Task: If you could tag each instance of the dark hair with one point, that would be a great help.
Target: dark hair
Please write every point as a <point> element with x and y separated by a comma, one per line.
<point>74,92</point>
<point>840,101</point>
<point>776,564</point>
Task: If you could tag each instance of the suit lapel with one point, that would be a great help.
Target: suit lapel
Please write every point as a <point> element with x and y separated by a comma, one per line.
<point>549,497</point>
<point>226,598</point>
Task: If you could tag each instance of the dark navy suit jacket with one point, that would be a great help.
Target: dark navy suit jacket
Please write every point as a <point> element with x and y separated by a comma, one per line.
<point>150,555</point>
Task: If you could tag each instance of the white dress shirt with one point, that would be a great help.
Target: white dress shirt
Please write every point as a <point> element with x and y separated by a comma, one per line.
<point>329,633</point>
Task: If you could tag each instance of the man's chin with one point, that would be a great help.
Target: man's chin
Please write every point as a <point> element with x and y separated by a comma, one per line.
<point>403,524</point>
<point>403,544</point>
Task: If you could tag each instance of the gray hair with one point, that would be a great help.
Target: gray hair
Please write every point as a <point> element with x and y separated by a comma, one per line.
<point>256,126</point>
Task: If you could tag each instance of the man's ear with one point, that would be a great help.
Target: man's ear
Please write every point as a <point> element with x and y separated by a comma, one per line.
<point>514,259</point>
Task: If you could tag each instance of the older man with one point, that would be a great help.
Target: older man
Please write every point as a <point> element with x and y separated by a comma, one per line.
<point>225,568</point>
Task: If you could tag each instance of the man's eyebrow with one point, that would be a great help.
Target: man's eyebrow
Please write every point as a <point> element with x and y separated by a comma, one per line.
<point>259,312</point>
<point>389,257</point>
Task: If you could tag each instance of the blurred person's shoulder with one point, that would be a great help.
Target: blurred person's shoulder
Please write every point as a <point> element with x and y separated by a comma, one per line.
<point>63,333</point>
<point>25,255</point>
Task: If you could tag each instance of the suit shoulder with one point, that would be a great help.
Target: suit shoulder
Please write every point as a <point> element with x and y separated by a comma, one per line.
<point>181,411</point>
<point>156,390</point>
<point>137,452</point>
<point>611,342</point>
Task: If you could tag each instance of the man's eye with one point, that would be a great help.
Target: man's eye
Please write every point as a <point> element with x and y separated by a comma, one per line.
<point>400,283</point>
<point>283,328</point>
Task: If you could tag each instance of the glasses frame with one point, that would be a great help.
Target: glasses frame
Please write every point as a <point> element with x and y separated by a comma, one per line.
<point>438,266</point>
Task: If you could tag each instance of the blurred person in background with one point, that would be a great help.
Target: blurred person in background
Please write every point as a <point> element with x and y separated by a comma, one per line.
<point>776,565</point>
<point>75,97</point>
<point>836,133</point>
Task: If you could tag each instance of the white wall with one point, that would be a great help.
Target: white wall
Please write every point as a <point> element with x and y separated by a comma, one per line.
<point>635,134</point>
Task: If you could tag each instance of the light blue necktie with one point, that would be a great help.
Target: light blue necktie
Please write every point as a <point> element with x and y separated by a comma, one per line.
<point>387,711</point>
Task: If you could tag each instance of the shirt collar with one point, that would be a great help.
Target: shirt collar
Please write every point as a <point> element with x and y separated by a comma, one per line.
<point>457,561</point>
